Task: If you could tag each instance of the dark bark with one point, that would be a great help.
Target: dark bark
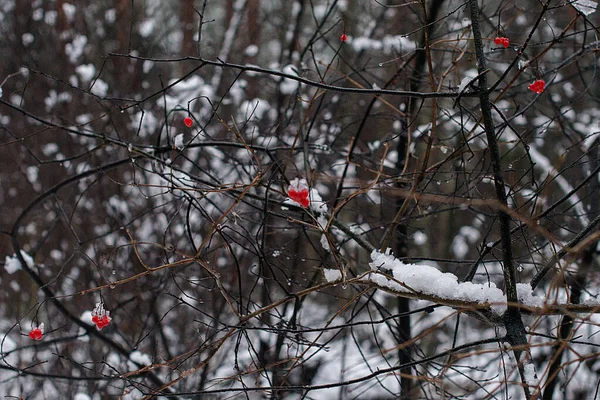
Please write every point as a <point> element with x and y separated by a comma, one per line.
<point>516,334</point>
<point>401,236</point>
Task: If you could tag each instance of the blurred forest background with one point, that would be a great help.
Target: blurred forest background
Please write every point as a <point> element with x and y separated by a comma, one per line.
<point>417,134</point>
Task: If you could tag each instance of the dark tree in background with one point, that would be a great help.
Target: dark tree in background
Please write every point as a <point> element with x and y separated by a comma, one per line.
<point>299,199</point>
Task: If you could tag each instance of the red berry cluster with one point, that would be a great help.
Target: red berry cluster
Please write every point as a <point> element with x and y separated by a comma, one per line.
<point>298,191</point>
<point>37,332</point>
<point>100,316</point>
<point>538,86</point>
<point>503,41</point>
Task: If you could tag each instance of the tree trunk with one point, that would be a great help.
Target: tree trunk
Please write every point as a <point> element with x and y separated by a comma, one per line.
<point>187,18</point>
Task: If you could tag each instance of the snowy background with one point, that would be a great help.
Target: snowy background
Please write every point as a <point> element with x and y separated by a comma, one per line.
<point>148,148</point>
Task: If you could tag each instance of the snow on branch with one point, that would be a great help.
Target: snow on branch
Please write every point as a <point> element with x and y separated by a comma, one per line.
<point>425,282</point>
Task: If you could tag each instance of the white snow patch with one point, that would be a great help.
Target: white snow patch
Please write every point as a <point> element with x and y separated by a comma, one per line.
<point>255,109</point>
<point>147,66</point>
<point>69,10</point>
<point>362,43</point>
<point>464,83</point>
<point>100,88</point>
<point>145,122</point>
<point>84,119</point>
<point>460,247</point>
<point>289,86</point>
<point>316,202</point>
<point>470,75</point>
<point>50,16</point>
<point>388,44</point>
<point>325,243</point>
<point>75,49</point>
<point>522,64</point>
<point>140,358</point>
<point>332,275</point>
<point>527,297</point>
<point>32,173</point>
<point>421,278</point>
<point>251,50</point>
<point>463,241</point>
<point>322,223</point>
<point>591,301</point>
<point>86,317</point>
<point>569,89</point>
<point>194,86</point>
<point>529,374</point>
<point>586,7</point>
<point>12,263</point>
<point>86,72</point>
<point>178,141</point>
<point>419,238</point>
<point>110,15</point>
<point>8,344</point>
<point>37,15</point>
<point>147,27</point>
<point>27,39</point>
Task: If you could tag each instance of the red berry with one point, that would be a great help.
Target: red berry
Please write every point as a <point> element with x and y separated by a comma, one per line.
<point>344,37</point>
<point>303,201</point>
<point>538,86</point>
<point>188,122</point>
